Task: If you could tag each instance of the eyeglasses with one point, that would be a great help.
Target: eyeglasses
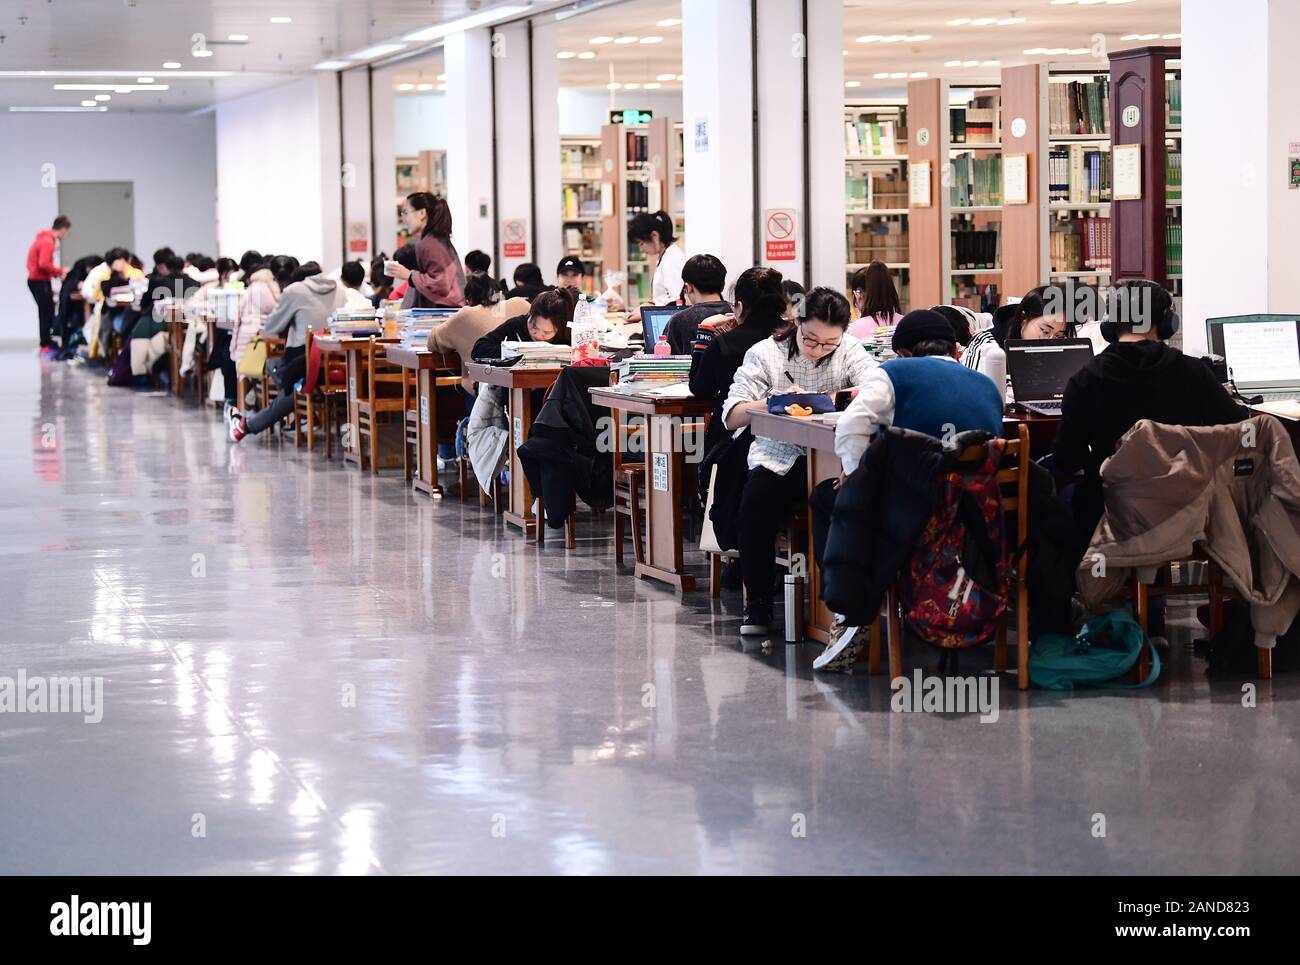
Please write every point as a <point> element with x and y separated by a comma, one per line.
<point>816,343</point>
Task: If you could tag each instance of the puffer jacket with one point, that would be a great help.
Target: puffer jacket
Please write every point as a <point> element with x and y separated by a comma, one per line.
<point>487,436</point>
<point>1233,490</point>
<point>262,295</point>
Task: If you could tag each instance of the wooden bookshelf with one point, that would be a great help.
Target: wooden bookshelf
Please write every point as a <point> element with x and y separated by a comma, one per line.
<point>929,248</point>
<point>978,286</point>
<point>580,177</point>
<point>876,199</point>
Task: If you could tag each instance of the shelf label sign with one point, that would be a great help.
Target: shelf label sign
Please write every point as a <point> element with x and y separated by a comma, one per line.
<point>514,238</point>
<point>780,240</point>
<point>701,135</point>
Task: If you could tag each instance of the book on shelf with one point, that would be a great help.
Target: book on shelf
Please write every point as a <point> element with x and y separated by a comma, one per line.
<point>1173,176</point>
<point>638,148</point>
<point>580,161</point>
<point>1079,107</point>
<point>883,241</point>
<point>581,201</point>
<point>1173,245</point>
<point>977,123</point>
<point>870,138</point>
<point>884,190</point>
<point>1078,175</point>
<point>1173,101</point>
<point>978,298</point>
<point>1080,244</point>
<point>976,182</point>
<point>976,247</point>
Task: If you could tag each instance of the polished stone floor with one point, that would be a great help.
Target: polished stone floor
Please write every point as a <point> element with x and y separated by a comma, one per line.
<point>310,670</point>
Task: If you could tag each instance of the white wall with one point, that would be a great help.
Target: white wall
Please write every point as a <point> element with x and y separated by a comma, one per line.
<point>419,122</point>
<point>546,145</point>
<point>356,165</point>
<point>585,112</point>
<point>277,175</point>
<point>514,117</point>
<point>468,60</point>
<point>170,158</point>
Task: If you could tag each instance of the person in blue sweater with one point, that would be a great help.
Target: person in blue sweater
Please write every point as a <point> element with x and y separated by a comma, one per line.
<point>926,389</point>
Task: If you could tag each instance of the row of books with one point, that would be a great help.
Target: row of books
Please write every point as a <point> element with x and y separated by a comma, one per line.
<point>1079,107</point>
<point>638,148</point>
<point>637,194</point>
<point>885,241</point>
<point>1173,101</point>
<point>357,324</point>
<point>870,139</point>
<point>580,241</point>
<point>580,161</point>
<point>978,298</point>
<point>976,124</point>
<point>654,368</point>
<point>975,181</point>
<point>1078,175</point>
<point>885,190</point>
<point>581,201</point>
<point>1080,244</point>
<point>1173,246</point>
<point>977,247</point>
<point>1173,176</point>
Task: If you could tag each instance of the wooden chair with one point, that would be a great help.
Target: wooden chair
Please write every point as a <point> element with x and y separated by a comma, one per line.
<point>267,390</point>
<point>1013,481</point>
<point>629,484</point>
<point>410,422</point>
<point>381,394</point>
<point>325,405</point>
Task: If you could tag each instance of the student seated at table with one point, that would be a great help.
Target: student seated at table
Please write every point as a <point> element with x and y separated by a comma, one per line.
<point>381,286</point>
<point>478,261</point>
<point>1042,314</point>
<point>264,285</point>
<point>925,389</point>
<point>528,282</point>
<point>115,271</point>
<point>875,299</point>
<point>1137,377</point>
<point>547,320</point>
<point>966,324</point>
<point>703,278</point>
<point>818,355</point>
<point>308,301</point>
<point>484,310</point>
<point>353,276</point>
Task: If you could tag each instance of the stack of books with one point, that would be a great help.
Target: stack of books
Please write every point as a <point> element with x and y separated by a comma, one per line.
<point>976,182</point>
<point>415,324</point>
<point>1079,107</point>
<point>870,139</point>
<point>353,324</point>
<point>1078,175</point>
<point>1081,244</point>
<point>654,368</point>
<point>539,354</point>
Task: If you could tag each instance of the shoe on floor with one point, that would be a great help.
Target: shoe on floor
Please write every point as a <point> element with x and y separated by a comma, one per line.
<point>238,428</point>
<point>842,651</point>
<point>757,619</point>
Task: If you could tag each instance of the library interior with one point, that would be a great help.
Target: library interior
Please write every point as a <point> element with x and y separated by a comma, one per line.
<point>650,437</point>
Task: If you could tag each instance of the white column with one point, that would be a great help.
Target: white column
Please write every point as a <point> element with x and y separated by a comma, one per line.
<point>357,193</point>
<point>382,104</point>
<point>546,143</point>
<point>331,168</point>
<point>717,103</point>
<point>826,42</point>
<point>469,138</point>
<point>513,131</point>
<point>1240,116</point>
<point>782,47</point>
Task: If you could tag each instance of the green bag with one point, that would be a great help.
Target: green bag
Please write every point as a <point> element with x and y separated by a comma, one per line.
<point>1106,649</point>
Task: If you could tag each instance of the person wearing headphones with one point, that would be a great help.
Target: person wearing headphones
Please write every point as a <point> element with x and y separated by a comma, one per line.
<point>1137,377</point>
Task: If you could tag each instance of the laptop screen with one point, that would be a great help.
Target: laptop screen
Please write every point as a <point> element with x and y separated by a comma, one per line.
<point>1261,351</point>
<point>1040,368</point>
<point>655,319</point>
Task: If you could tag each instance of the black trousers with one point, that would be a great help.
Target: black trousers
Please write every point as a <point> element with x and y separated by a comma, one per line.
<point>286,370</point>
<point>220,358</point>
<point>44,295</point>
<point>765,505</point>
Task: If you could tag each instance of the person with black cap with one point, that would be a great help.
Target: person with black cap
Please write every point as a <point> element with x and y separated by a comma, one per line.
<point>570,272</point>
<point>926,389</point>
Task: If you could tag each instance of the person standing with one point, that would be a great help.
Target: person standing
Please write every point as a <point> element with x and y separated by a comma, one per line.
<point>439,278</point>
<point>41,270</point>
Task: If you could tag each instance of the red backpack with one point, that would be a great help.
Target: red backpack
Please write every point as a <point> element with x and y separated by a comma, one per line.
<point>957,584</point>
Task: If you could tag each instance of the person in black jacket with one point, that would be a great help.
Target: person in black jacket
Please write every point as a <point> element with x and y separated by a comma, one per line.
<point>1137,377</point>
<point>547,321</point>
<point>703,277</point>
<point>528,282</point>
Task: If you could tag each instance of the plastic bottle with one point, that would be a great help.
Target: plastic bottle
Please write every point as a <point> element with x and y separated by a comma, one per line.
<point>662,347</point>
<point>995,366</point>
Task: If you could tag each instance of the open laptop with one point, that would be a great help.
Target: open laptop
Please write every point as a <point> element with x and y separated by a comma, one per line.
<point>655,319</point>
<point>1262,353</point>
<point>1040,369</point>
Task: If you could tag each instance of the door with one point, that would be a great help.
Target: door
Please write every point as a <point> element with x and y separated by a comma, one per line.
<point>102,215</point>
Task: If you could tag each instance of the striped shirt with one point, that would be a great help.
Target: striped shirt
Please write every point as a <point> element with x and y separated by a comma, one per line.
<point>769,370</point>
<point>973,354</point>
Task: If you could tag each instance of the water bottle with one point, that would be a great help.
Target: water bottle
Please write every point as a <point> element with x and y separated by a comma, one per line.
<point>662,347</point>
<point>995,365</point>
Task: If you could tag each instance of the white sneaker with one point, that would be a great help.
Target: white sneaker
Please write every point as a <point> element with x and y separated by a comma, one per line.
<point>842,651</point>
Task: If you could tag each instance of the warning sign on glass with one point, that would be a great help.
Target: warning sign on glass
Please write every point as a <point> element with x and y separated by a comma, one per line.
<point>780,241</point>
<point>514,238</point>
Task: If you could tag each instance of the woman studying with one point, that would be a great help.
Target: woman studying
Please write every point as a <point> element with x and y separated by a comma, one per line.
<point>653,234</point>
<point>439,279</point>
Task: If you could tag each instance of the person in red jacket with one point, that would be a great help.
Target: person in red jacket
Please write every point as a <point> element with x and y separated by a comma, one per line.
<point>41,270</point>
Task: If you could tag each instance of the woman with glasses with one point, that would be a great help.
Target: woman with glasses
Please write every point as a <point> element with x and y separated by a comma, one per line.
<point>817,355</point>
<point>1043,313</point>
<point>439,279</point>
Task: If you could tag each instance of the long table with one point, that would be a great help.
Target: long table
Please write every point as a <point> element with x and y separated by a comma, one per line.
<point>351,348</point>
<point>665,477</point>
<point>520,382</point>
<point>427,365</point>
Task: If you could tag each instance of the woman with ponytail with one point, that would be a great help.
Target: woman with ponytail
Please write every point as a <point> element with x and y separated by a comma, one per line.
<point>439,279</point>
<point>653,234</point>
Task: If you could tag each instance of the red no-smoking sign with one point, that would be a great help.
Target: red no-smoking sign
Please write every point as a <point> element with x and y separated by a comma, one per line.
<point>781,241</point>
<point>514,238</point>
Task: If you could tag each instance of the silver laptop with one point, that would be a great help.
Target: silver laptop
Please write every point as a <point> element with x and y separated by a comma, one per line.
<point>1041,368</point>
<point>1262,353</point>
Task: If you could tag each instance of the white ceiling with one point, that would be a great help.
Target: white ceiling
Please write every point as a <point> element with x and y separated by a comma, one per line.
<point>635,63</point>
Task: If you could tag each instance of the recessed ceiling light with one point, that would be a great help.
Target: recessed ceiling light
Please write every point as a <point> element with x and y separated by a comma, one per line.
<point>425,86</point>
<point>103,97</point>
<point>282,20</point>
<point>898,75</point>
<point>670,22</point>
<point>853,83</point>
<point>88,104</point>
<point>916,38</point>
<point>626,39</point>
<point>171,65</point>
<point>144,80</point>
<point>442,87</point>
<point>203,53</point>
<point>666,77</point>
<point>1129,37</point>
<point>1149,37</point>
<point>56,110</point>
<point>1010,21</point>
<point>652,40</point>
<point>959,22</point>
<point>613,85</point>
<point>597,41</point>
<point>893,38</point>
<point>882,76</point>
<point>587,55</point>
<point>650,86</point>
<point>331,65</point>
<point>990,63</point>
<point>238,38</point>
<point>918,74</point>
<point>1077,51</point>
<point>983,21</point>
<point>970,63</point>
<point>678,78</point>
<point>376,50</point>
<point>565,54</point>
<point>868,38</point>
<point>1056,51</point>
<point>406,87</point>
<point>116,88</point>
<point>952,63</point>
<point>1173,37</point>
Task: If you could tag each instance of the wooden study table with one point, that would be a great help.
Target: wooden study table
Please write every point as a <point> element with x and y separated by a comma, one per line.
<point>519,381</point>
<point>816,437</point>
<point>351,348</point>
<point>427,365</point>
<point>665,476</point>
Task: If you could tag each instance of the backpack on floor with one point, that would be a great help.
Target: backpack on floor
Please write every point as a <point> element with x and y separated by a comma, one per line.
<point>956,586</point>
<point>1100,656</point>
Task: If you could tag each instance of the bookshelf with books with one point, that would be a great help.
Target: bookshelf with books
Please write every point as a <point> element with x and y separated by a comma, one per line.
<point>1079,174</point>
<point>974,200</point>
<point>876,190</point>
<point>580,164</point>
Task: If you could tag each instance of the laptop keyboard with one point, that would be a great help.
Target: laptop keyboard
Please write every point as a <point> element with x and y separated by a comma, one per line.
<point>1044,408</point>
<point>1280,396</point>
